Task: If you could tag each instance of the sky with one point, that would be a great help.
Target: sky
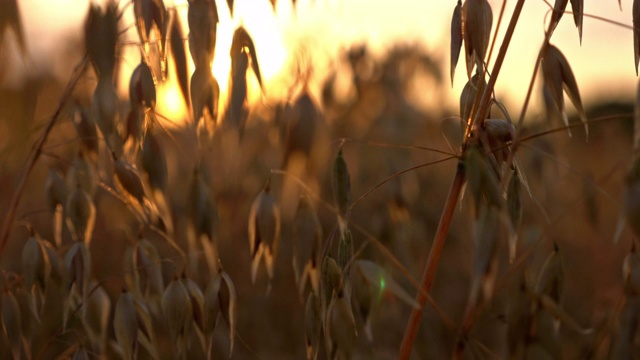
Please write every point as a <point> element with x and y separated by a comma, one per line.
<point>603,63</point>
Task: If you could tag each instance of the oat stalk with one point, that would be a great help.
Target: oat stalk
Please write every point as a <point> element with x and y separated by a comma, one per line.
<point>452,198</point>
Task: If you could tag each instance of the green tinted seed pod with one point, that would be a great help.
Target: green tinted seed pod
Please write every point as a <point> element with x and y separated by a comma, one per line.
<point>178,312</point>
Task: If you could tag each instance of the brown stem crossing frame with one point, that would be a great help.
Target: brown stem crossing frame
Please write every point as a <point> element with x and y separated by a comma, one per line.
<point>452,198</point>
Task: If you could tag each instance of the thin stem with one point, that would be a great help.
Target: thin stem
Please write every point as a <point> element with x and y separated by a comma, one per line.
<point>36,151</point>
<point>432,262</point>
<point>452,198</point>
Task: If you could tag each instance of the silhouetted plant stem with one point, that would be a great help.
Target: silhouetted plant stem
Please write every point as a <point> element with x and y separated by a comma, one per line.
<point>452,198</point>
<point>36,151</point>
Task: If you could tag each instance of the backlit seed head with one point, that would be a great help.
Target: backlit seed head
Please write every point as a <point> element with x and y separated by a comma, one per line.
<point>477,19</point>
<point>264,231</point>
<point>154,162</point>
<point>142,88</point>
<point>101,34</point>
<point>307,240</point>
<point>202,17</point>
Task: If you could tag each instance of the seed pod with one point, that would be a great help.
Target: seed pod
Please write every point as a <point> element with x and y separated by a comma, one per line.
<point>228,302</point>
<point>331,278</point>
<point>179,55</point>
<point>147,13</point>
<point>154,162</point>
<point>35,264</point>
<point>197,301</point>
<point>178,311</point>
<point>80,215</point>
<point>312,325</point>
<point>477,19</point>
<point>125,325</point>
<point>481,179</point>
<point>54,261</point>
<point>205,93</point>
<point>87,132</point>
<point>345,251</point>
<point>341,328</point>
<point>264,231</point>
<point>212,306</point>
<point>241,41</point>
<point>56,189</point>
<point>514,202</point>
<point>519,317</point>
<point>456,37</point>
<point>105,106</point>
<point>80,173</point>
<point>307,240</point>
<point>341,185</point>
<point>202,221</point>
<point>98,311</point>
<point>557,75</point>
<point>550,280</point>
<point>77,264</point>
<point>202,17</point>
<point>12,323</point>
<point>631,274</point>
<point>142,87</point>
<point>128,182</point>
<point>485,262</point>
<point>237,109</point>
<point>470,93</point>
<point>147,268</point>
<point>101,34</point>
